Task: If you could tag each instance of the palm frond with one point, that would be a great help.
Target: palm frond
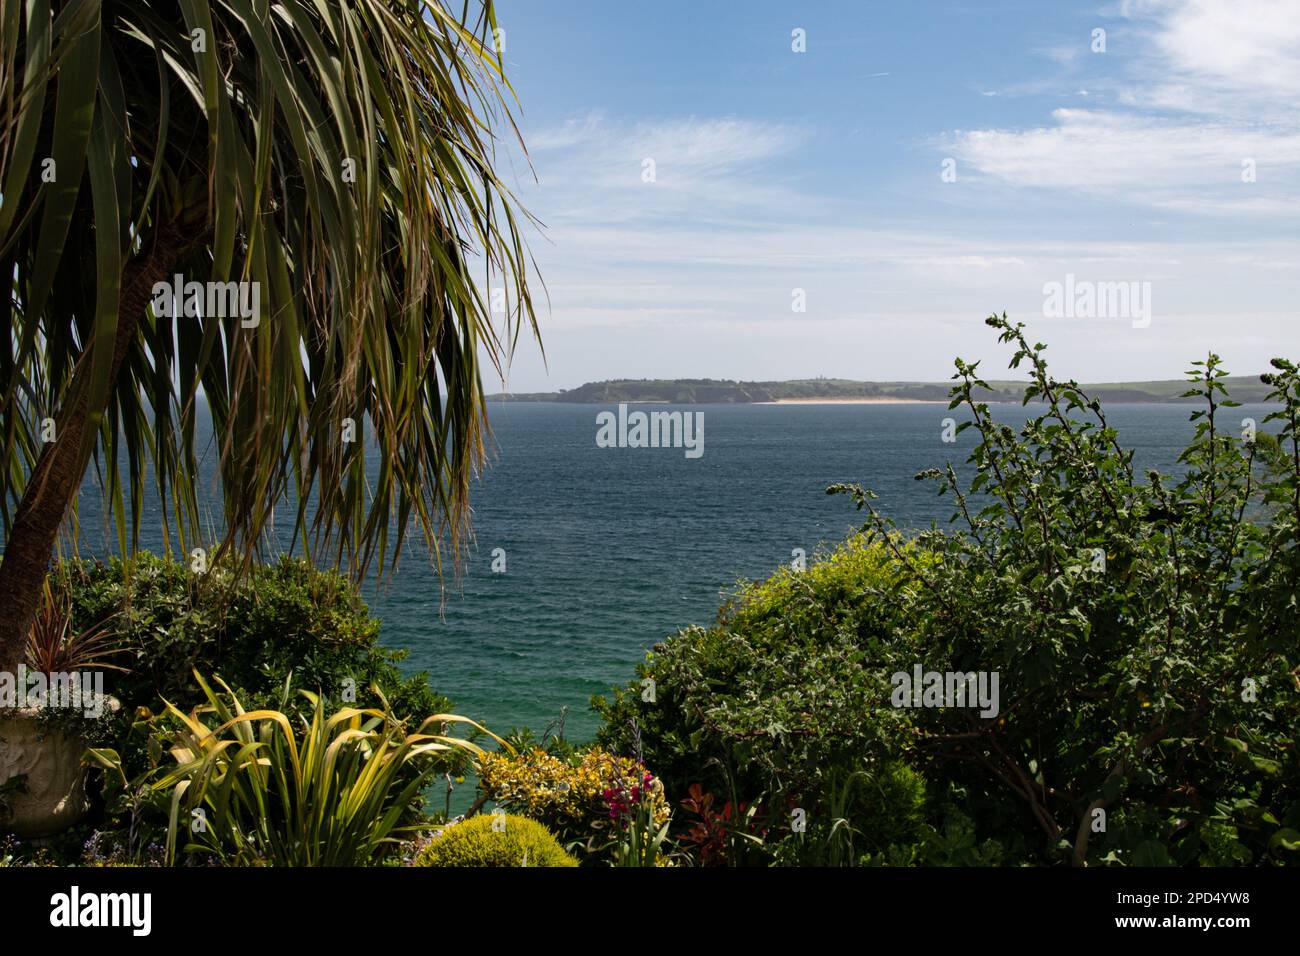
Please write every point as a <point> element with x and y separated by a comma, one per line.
<point>339,155</point>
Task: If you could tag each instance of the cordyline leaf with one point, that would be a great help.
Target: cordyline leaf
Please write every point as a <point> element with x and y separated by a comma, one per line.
<point>332,794</point>
<point>341,157</point>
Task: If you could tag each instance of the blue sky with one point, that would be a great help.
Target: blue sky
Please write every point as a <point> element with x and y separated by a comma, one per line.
<point>821,171</point>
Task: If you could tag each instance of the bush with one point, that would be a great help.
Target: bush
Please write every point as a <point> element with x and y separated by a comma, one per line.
<point>279,628</point>
<point>770,710</point>
<point>475,842</point>
<point>282,619</point>
<point>585,799</point>
<point>1142,627</point>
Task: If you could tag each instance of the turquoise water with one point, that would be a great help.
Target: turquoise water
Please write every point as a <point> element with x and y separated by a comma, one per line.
<point>610,550</point>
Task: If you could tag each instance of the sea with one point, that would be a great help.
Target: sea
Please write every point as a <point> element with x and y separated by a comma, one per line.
<point>583,557</point>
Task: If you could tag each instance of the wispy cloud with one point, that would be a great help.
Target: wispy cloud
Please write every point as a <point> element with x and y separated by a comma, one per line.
<point>1237,58</point>
<point>573,132</point>
<point>697,147</point>
<point>1152,158</point>
<point>692,170</point>
<point>1203,121</point>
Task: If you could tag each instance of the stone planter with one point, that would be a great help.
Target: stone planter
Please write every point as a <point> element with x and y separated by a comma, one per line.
<point>54,795</point>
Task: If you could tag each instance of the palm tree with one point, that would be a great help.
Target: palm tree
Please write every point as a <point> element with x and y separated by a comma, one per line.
<point>334,157</point>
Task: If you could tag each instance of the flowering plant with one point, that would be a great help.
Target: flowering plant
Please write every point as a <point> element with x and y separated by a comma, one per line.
<point>583,801</point>
<point>642,814</point>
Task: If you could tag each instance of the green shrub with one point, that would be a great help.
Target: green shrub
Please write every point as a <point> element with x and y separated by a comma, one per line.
<point>863,814</point>
<point>280,628</point>
<point>280,619</point>
<point>474,842</point>
<point>951,843</point>
<point>776,705</point>
<point>1143,628</point>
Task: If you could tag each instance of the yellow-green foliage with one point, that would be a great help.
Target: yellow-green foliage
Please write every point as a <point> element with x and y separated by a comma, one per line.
<point>581,801</point>
<point>474,842</point>
<point>840,577</point>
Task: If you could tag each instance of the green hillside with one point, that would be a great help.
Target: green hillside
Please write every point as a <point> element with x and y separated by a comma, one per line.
<point>693,391</point>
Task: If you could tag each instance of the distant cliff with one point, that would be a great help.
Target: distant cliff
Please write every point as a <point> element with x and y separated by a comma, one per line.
<point>695,391</point>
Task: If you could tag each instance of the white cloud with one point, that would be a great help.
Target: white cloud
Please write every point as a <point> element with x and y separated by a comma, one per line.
<point>1212,83</point>
<point>1102,149</point>
<point>1062,54</point>
<point>1225,56</point>
<point>572,132</point>
<point>591,170</point>
<point>698,146</point>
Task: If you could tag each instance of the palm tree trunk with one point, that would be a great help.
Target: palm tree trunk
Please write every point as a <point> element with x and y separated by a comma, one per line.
<point>62,463</point>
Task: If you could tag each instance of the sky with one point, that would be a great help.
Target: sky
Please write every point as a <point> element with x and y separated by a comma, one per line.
<point>717,204</point>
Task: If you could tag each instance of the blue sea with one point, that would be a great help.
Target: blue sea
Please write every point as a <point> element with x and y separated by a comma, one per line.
<point>611,550</point>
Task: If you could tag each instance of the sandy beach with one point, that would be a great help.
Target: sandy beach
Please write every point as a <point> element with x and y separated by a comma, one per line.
<point>875,400</point>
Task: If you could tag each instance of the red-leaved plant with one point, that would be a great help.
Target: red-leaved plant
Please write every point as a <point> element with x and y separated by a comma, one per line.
<point>54,647</point>
<point>713,839</point>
